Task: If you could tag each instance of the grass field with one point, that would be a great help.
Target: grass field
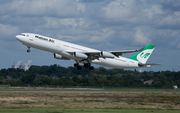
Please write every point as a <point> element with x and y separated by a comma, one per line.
<point>85,111</point>
<point>98,89</point>
<point>122,100</point>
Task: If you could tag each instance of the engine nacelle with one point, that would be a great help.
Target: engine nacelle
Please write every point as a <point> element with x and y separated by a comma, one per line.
<point>57,56</point>
<point>107,54</point>
<point>80,55</point>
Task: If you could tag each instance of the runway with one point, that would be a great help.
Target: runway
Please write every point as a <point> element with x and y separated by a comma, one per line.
<point>16,91</point>
<point>62,91</point>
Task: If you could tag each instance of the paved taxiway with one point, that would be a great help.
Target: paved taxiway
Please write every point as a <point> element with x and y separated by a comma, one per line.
<point>90,92</point>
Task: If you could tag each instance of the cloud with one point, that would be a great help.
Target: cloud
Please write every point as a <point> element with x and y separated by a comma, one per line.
<point>7,31</point>
<point>60,8</point>
<point>170,21</point>
<point>140,38</point>
<point>118,10</point>
<point>77,20</point>
<point>80,6</point>
<point>104,35</point>
<point>170,5</point>
<point>104,24</point>
<point>153,11</point>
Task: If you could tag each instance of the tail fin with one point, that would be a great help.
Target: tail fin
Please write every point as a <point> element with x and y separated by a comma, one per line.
<point>142,56</point>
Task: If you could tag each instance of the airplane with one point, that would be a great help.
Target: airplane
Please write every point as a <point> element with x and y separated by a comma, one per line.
<point>65,51</point>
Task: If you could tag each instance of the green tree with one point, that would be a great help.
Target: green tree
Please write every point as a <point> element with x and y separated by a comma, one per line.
<point>157,84</point>
<point>76,79</point>
<point>2,80</point>
<point>178,84</point>
<point>41,80</point>
<point>28,78</point>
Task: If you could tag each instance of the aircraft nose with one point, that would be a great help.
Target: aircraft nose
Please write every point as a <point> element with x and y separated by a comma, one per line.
<point>18,37</point>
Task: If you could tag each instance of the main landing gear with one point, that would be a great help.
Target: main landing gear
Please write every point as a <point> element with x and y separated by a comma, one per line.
<point>87,65</point>
<point>28,49</point>
<point>78,66</point>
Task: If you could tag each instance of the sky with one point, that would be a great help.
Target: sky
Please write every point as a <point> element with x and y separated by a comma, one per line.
<point>106,25</point>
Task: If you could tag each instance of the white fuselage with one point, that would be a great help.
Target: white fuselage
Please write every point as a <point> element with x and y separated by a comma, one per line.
<point>61,47</point>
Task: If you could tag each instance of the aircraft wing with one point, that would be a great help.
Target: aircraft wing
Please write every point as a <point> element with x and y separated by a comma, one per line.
<point>116,53</point>
<point>119,53</point>
<point>97,54</point>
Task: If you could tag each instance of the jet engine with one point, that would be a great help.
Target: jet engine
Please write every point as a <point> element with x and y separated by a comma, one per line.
<point>57,56</point>
<point>80,55</point>
<point>106,54</point>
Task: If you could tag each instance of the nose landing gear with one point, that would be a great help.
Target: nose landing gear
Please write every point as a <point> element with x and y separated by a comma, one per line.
<point>28,49</point>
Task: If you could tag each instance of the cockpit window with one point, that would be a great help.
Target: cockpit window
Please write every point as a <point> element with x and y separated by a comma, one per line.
<point>22,34</point>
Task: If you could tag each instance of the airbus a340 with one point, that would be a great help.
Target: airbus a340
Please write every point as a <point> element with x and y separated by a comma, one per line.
<point>87,56</point>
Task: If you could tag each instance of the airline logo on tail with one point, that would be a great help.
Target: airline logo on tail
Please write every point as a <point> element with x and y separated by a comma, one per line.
<point>143,55</point>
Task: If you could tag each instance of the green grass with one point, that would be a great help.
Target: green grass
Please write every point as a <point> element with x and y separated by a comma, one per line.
<point>87,102</point>
<point>106,89</point>
<point>141,90</point>
<point>85,111</point>
<point>76,100</point>
<point>4,86</point>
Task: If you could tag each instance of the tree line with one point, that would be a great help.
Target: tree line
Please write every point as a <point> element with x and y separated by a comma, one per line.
<point>56,75</point>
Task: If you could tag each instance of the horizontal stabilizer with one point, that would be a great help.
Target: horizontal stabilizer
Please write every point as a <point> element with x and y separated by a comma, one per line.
<point>147,65</point>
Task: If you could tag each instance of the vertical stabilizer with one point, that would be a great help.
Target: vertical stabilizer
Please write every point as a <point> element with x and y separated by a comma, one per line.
<point>142,56</point>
